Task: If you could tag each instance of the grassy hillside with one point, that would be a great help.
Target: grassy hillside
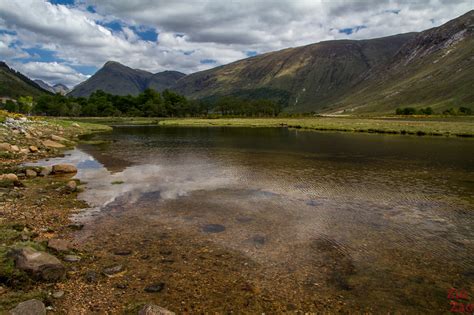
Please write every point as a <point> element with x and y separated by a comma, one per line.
<point>14,84</point>
<point>314,75</point>
<point>434,69</point>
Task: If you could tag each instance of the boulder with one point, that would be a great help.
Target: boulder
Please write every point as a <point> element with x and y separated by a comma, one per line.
<point>152,309</point>
<point>59,245</point>
<point>71,186</point>
<point>15,148</point>
<point>5,147</point>
<point>39,264</point>
<point>30,307</point>
<point>33,149</point>
<point>24,151</point>
<point>31,173</point>
<point>64,169</point>
<point>52,144</point>
<point>9,177</point>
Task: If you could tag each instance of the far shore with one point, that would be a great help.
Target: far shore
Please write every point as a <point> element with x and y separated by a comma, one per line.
<point>458,126</point>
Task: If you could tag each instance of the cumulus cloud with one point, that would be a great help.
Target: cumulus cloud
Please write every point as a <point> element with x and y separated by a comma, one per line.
<point>192,31</point>
<point>51,72</point>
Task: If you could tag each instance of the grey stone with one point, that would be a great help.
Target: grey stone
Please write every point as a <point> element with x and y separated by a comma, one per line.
<point>152,309</point>
<point>30,307</point>
<point>39,264</point>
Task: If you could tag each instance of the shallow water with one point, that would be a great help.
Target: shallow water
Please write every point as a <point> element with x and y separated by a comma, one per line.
<point>373,222</point>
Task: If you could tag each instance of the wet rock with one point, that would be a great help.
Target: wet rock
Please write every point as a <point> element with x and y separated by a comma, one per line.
<point>71,186</point>
<point>155,288</point>
<point>59,245</point>
<point>5,147</point>
<point>76,226</point>
<point>121,286</point>
<point>112,270</point>
<point>46,170</point>
<point>58,294</point>
<point>41,265</point>
<point>30,173</point>
<point>53,144</point>
<point>33,148</point>
<point>122,252</point>
<point>152,309</point>
<point>64,169</point>
<point>72,258</point>
<point>91,276</point>
<point>30,307</point>
<point>213,228</point>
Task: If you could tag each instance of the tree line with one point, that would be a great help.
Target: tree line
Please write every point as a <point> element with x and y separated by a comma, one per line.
<point>147,104</point>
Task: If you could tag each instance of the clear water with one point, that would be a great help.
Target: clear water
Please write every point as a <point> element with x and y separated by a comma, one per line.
<point>367,222</point>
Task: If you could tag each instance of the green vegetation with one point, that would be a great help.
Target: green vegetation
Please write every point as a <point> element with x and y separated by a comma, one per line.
<point>117,182</point>
<point>147,104</point>
<point>429,111</point>
<point>14,84</point>
<point>434,127</point>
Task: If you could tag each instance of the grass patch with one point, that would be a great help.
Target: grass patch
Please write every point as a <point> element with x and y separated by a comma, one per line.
<point>387,125</point>
<point>117,182</point>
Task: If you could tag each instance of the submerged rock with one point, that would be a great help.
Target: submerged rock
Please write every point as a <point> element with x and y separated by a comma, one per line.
<point>155,288</point>
<point>152,309</point>
<point>30,307</point>
<point>64,169</point>
<point>213,228</point>
<point>39,264</point>
<point>112,270</point>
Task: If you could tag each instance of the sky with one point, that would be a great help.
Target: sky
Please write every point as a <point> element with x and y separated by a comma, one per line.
<point>66,41</point>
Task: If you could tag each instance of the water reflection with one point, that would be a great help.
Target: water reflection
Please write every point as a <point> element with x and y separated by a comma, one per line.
<point>384,220</point>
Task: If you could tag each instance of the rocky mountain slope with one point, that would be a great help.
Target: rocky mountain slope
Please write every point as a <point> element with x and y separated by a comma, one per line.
<point>115,78</point>
<point>14,84</point>
<point>57,88</point>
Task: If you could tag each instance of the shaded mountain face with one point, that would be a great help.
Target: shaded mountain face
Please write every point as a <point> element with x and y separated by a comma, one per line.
<point>115,78</point>
<point>14,84</point>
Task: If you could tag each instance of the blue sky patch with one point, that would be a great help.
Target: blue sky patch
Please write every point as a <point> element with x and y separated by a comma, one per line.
<point>65,2</point>
<point>147,34</point>
<point>251,53</point>
<point>352,30</point>
<point>39,54</point>
<point>208,61</point>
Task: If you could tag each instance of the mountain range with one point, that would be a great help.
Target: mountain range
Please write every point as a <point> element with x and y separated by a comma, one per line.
<point>115,78</point>
<point>57,88</point>
<point>432,68</point>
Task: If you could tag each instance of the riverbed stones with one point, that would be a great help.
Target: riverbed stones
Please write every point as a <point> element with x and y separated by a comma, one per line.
<point>53,144</point>
<point>71,258</point>
<point>30,173</point>
<point>213,228</point>
<point>58,294</point>
<point>39,264</point>
<point>14,148</point>
<point>155,288</point>
<point>59,245</point>
<point>64,169</point>
<point>152,309</point>
<point>33,148</point>
<point>24,151</point>
<point>112,270</point>
<point>30,307</point>
<point>71,186</point>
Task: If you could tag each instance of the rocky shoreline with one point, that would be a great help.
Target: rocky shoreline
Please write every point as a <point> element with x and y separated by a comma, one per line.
<point>38,254</point>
